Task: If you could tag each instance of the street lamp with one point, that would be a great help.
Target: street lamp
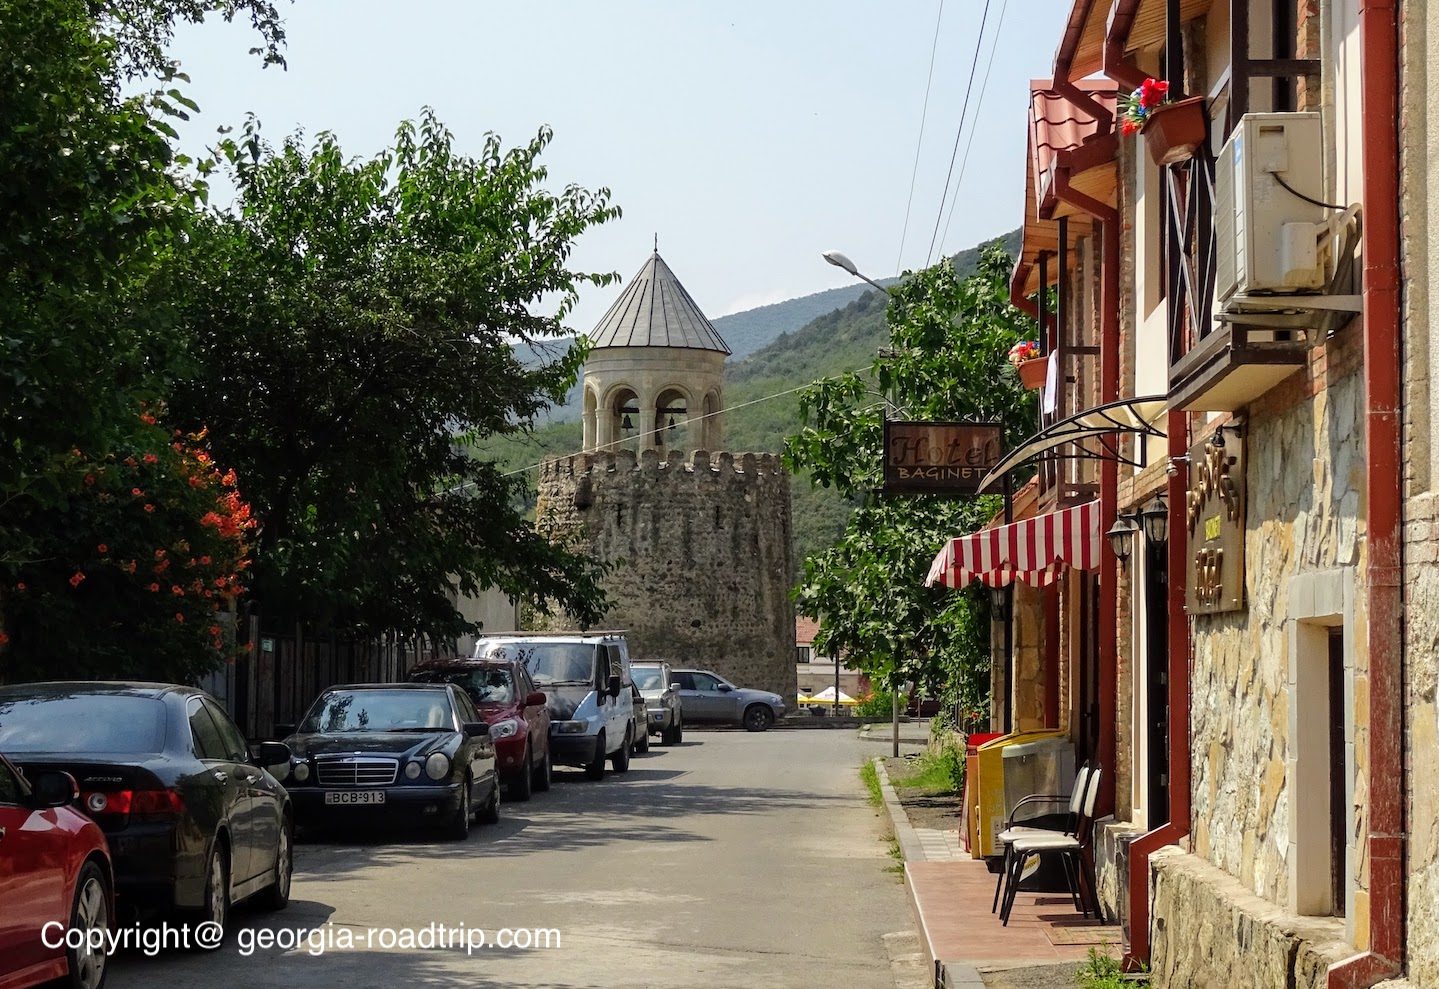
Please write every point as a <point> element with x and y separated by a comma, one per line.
<point>1156,521</point>
<point>1121,536</point>
<point>841,261</point>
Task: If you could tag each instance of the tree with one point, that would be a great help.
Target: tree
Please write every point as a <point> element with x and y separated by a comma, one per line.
<point>949,338</point>
<point>351,329</point>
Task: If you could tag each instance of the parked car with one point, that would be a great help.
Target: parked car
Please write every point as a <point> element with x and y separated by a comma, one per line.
<point>56,871</point>
<point>662,701</point>
<point>586,679</point>
<point>416,752</point>
<point>708,697</point>
<point>507,701</point>
<point>193,817</point>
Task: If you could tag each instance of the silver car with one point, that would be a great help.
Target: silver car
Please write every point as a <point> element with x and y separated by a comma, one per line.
<point>707,696</point>
<point>662,701</point>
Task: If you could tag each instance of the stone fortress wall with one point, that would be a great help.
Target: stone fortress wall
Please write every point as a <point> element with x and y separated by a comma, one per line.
<point>699,551</point>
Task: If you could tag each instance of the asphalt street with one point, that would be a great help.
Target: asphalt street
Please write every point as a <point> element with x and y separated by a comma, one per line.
<point>734,860</point>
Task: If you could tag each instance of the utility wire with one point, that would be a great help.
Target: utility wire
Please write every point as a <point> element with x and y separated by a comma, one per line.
<point>959,132</point>
<point>613,444</point>
<point>919,144</point>
<point>978,110</point>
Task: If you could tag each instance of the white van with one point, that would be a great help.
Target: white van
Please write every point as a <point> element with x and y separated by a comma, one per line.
<point>588,689</point>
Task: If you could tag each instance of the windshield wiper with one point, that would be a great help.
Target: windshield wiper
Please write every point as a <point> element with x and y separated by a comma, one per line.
<point>565,683</point>
<point>408,731</point>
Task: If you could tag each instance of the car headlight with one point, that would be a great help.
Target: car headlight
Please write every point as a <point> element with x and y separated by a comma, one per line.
<point>412,770</point>
<point>437,766</point>
<point>569,727</point>
<point>504,729</point>
<point>300,771</point>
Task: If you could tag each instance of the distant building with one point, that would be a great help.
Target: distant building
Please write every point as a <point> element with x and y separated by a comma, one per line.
<point>815,672</point>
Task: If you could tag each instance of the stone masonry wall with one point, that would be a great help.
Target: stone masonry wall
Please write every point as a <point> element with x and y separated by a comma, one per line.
<point>699,552</point>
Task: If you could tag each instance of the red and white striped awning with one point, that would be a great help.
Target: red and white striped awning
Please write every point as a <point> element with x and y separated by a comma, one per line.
<point>1032,551</point>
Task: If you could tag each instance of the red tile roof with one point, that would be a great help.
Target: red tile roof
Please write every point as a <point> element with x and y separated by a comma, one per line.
<point>805,629</point>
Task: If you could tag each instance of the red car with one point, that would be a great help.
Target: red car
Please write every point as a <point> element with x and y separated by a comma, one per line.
<point>55,884</point>
<point>516,712</point>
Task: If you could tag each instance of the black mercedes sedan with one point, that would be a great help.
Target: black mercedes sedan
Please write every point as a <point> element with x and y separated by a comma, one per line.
<point>194,819</point>
<point>412,752</point>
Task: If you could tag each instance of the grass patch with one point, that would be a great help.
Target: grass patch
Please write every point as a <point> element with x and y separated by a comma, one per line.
<point>869,775</point>
<point>1101,971</point>
<point>897,866</point>
<point>932,773</point>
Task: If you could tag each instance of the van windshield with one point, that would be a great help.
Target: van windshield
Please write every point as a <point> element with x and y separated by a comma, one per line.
<point>547,662</point>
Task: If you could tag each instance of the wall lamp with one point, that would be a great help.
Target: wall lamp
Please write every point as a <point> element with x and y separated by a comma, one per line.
<point>999,601</point>
<point>1152,521</point>
<point>1121,536</point>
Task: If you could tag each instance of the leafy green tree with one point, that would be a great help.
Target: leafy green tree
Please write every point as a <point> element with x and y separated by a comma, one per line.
<point>352,326</point>
<point>947,359</point>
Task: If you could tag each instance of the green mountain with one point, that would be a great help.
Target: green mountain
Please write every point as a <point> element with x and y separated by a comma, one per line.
<point>762,406</point>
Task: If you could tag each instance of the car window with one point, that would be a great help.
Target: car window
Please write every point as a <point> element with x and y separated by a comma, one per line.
<point>706,683</point>
<point>466,709</point>
<point>10,789</point>
<point>339,711</point>
<point>107,723</point>
<point>615,661</point>
<point>547,662</point>
<point>685,680</point>
<point>203,733</point>
<point>235,748</point>
<point>649,677</point>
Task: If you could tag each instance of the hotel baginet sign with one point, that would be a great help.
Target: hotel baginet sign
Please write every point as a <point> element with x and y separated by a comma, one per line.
<point>1214,515</point>
<point>945,458</point>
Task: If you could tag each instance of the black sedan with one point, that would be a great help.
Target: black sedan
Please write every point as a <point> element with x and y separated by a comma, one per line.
<point>193,818</point>
<point>407,751</point>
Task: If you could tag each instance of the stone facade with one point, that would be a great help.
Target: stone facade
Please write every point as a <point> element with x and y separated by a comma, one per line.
<point>699,556</point>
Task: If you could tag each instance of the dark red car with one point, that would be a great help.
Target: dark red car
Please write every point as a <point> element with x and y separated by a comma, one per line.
<point>507,700</point>
<point>55,884</point>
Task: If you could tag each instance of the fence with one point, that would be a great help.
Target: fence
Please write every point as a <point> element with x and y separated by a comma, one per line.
<point>277,676</point>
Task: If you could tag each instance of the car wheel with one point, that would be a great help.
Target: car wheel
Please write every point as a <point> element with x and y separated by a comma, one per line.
<point>89,912</point>
<point>544,772</point>
<point>217,894</point>
<point>277,895</point>
<point>490,814</point>
<point>458,827</point>
<point>642,743</point>
<point>524,783</point>
<point>596,769</point>
<point>757,717</point>
<point>671,733</point>
<point>621,759</point>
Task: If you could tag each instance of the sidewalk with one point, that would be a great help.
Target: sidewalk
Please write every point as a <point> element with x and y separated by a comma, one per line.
<point>950,895</point>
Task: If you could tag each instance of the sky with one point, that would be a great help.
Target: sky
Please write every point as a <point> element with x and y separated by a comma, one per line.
<point>750,136</point>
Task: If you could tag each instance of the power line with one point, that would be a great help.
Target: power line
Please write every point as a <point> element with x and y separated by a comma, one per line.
<point>978,109</point>
<point>700,418</point>
<point>919,144</point>
<point>964,112</point>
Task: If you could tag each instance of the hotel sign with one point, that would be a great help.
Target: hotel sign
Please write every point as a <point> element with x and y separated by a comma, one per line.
<point>939,457</point>
<point>1215,513</point>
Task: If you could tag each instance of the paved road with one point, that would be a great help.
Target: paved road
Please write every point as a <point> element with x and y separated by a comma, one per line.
<point>733,860</point>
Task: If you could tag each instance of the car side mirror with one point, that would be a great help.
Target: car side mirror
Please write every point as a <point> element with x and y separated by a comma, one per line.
<point>614,686</point>
<point>725,688</point>
<point>270,754</point>
<point>676,685</point>
<point>536,698</point>
<point>476,729</point>
<point>53,788</point>
<point>284,731</point>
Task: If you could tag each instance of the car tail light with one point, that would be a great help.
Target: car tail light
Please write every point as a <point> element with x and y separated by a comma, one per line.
<point>133,803</point>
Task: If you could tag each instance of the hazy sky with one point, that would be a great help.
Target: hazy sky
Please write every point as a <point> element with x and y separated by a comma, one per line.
<point>749,135</point>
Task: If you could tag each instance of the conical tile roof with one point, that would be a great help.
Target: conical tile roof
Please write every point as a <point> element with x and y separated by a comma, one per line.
<point>655,311</point>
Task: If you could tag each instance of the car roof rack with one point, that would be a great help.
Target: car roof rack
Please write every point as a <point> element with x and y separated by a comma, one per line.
<point>521,634</point>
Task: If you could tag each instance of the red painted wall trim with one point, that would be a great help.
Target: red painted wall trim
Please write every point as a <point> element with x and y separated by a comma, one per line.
<point>1116,34</point>
<point>1180,644</point>
<point>1379,85</point>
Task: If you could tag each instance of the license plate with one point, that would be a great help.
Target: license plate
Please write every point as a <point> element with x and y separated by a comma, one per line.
<point>355,797</point>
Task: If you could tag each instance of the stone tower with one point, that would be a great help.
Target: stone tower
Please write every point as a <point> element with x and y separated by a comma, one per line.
<point>698,546</point>
<point>655,374</point>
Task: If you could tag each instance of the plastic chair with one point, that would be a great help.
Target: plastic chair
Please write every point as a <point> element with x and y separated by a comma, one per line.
<point>1067,825</point>
<point>1068,848</point>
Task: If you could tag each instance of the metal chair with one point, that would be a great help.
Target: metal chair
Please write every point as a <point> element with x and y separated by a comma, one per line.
<point>1067,823</point>
<point>1068,848</point>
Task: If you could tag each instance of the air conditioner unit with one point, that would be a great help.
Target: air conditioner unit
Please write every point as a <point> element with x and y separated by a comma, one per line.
<point>1267,237</point>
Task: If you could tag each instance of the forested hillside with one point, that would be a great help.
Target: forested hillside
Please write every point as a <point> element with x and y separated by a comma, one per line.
<point>760,394</point>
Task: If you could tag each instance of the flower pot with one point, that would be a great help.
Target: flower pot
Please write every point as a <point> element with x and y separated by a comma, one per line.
<point>1033,372</point>
<point>1175,131</point>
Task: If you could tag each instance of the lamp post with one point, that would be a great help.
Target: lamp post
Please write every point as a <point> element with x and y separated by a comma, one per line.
<point>839,260</point>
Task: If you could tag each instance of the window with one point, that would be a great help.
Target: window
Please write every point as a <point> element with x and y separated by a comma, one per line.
<point>10,790</point>
<point>685,680</point>
<point>235,748</point>
<point>706,683</point>
<point>116,723</point>
<point>804,654</point>
<point>203,733</point>
<point>616,664</point>
<point>466,709</point>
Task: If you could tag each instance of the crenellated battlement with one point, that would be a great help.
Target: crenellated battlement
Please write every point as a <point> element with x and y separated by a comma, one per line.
<point>700,463</point>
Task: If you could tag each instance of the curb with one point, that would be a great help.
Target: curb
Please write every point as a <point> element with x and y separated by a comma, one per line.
<point>947,975</point>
